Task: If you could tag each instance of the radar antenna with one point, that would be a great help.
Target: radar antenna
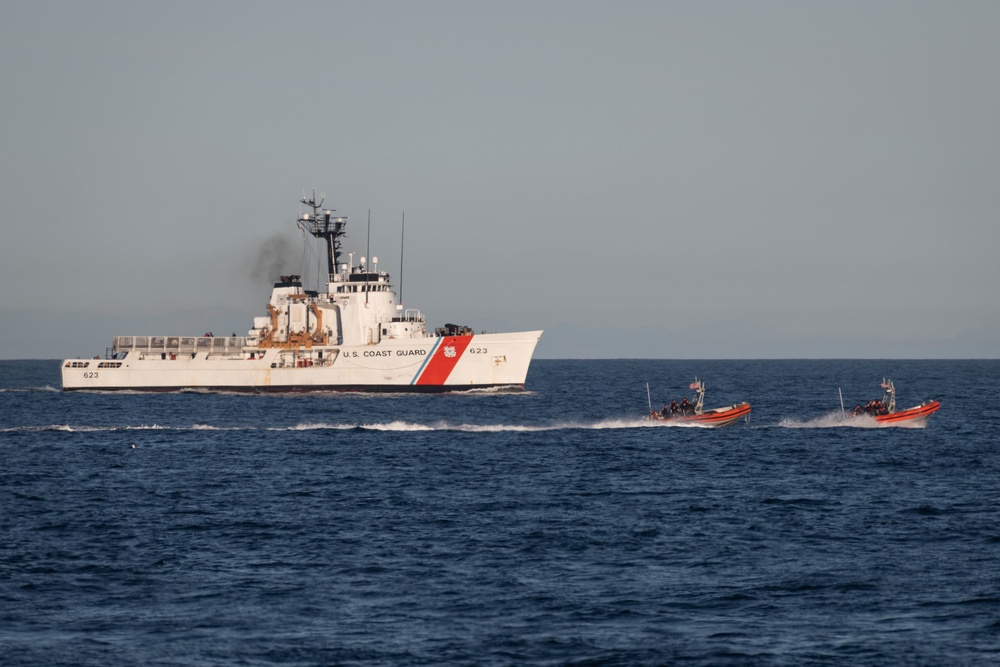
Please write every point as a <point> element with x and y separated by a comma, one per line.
<point>323,224</point>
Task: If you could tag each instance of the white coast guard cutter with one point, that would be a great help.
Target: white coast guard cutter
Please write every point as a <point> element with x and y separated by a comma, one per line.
<point>353,337</point>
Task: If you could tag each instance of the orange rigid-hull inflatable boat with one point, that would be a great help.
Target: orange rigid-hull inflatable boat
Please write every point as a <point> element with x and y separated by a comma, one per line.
<point>715,417</point>
<point>694,413</point>
<point>884,411</point>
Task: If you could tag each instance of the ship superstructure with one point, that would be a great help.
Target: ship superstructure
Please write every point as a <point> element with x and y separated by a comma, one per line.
<point>353,337</point>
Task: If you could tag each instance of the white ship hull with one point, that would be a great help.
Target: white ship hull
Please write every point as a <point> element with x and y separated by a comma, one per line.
<point>429,364</point>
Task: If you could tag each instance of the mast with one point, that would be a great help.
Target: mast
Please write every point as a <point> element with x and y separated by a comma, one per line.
<point>699,390</point>
<point>369,251</point>
<point>402,232</point>
<point>324,225</point>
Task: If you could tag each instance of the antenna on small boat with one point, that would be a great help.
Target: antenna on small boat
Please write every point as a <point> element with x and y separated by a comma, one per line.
<point>649,399</point>
<point>699,388</point>
<point>841,400</point>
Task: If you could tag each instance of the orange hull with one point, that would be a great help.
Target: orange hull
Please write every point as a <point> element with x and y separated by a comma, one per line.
<point>716,417</point>
<point>915,415</point>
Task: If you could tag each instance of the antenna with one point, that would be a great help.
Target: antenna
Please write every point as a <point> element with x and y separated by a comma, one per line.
<point>369,251</point>
<point>402,232</point>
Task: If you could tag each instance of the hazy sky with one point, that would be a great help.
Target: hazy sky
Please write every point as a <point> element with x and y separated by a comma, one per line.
<point>639,179</point>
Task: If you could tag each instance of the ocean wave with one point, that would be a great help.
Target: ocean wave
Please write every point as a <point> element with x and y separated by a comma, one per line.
<point>69,428</point>
<point>28,390</point>
<point>311,426</point>
<point>394,425</point>
<point>509,428</point>
<point>397,425</point>
<point>406,426</point>
<point>830,420</point>
<point>673,424</point>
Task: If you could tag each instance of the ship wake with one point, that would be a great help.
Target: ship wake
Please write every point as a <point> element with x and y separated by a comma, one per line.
<point>841,420</point>
<point>384,426</point>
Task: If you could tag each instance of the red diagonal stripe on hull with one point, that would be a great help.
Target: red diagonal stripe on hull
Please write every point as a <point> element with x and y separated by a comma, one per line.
<point>441,364</point>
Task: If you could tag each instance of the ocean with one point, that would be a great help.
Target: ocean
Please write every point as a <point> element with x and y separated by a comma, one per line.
<point>549,527</point>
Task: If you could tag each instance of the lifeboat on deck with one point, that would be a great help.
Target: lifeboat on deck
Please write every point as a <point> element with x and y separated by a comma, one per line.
<point>694,413</point>
<point>884,410</point>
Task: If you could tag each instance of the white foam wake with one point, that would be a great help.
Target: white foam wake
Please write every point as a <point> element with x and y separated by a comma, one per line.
<point>388,426</point>
<point>400,425</point>
<point>841,420</point>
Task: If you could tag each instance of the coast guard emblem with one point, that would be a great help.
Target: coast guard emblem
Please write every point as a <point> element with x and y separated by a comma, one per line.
<point>449,351</point>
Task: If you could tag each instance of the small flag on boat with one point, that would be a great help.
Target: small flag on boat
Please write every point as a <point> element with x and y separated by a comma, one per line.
<point>695,385</point>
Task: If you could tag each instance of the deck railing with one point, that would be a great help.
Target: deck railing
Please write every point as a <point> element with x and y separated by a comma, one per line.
<point>410,315</point>
<point>181,344</point>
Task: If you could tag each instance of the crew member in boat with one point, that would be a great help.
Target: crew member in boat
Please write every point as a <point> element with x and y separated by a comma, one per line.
<point>872,407</point>
<point>674,408</point>
<point>685,405</point>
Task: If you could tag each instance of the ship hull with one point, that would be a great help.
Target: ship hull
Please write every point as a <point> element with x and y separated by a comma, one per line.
<point>422,365</point>
<point>915,416</point>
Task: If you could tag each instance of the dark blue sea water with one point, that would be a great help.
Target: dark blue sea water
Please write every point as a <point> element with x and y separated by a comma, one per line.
<point>545,528</point>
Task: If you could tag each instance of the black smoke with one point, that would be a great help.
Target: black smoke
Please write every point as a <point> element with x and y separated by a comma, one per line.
<point>274,258</point>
